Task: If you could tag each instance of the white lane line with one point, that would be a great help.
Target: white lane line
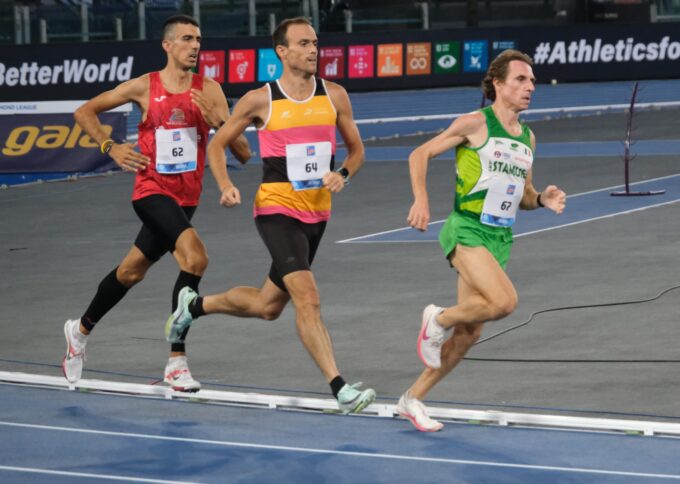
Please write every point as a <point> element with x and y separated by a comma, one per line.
<point>222,443</point>
<point>108,477</point>
<point>599,190</point>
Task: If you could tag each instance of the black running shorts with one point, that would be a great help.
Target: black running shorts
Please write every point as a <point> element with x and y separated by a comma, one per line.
<point>291,243</point>
<point>164,220</point>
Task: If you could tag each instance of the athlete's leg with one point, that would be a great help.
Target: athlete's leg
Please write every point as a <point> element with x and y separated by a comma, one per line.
<point>265,303</point>
<point>494,295</point>
<point>304,293</point>
<point>454,349</point>
<point>190,253</point>
<point>114,287</point>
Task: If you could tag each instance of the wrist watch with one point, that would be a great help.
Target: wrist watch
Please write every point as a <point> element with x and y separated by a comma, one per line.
<point>344,173</point>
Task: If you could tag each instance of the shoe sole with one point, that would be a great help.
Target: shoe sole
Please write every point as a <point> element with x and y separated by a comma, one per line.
<point>185,390</point>
<point>412,419</point>
<point>362,405</point>
<point>423,327</point>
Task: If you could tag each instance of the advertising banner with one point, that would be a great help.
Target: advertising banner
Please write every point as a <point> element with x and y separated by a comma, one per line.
<point>362,61</point>
<point>49,143</point>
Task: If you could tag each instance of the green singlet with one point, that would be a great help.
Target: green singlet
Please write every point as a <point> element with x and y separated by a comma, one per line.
<point>489,188</point>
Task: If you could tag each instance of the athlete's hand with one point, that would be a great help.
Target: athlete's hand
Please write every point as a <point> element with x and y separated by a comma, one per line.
<point>207,108</point>
<point>230,197</point>
<point>127,158</point>
<point>419,215</point>
<point>553,198</point>
<point>333,181</point>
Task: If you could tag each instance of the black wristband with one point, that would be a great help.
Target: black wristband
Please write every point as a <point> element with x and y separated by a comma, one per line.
<point>538,200</point>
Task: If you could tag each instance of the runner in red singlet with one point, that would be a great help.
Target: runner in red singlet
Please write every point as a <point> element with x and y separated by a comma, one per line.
<point>178,109</point>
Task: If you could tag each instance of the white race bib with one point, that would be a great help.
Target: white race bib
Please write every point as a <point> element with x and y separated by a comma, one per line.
<point>307,163</point>
<point>501,203</point>
<point>176,150</point>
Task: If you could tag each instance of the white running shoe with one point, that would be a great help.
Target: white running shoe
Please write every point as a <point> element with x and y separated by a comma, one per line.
<point>352,400</point>
<point>432,337</point>
<point>181,319</point>
<point>414,410</point>
<point>178,376</point>
<point>72,364</point>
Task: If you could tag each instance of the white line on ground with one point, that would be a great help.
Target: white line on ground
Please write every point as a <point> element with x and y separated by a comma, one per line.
<point>108,477</point>
<point>284,448</point>
<point>361,237</point>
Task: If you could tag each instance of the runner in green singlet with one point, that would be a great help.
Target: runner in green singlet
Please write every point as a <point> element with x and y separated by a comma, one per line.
<point>494,156</point>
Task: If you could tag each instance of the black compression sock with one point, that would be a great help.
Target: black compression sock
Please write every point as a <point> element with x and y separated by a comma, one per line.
<point>336,385</point>
<point>109,293</point>
<point>184,279</point>
<point>196,307</point>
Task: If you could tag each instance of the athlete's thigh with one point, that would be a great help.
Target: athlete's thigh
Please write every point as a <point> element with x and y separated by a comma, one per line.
<point>482,273</point>
<point>163,218</point>
<point>286,241</point>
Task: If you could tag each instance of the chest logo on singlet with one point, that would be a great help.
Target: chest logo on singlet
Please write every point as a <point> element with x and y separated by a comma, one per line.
<point>159,99</point>
<point>177,117</point>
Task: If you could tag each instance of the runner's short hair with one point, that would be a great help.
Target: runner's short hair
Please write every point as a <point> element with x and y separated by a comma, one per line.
<point>499,70</point>
<point>279,35</point>
<point>170,22</point>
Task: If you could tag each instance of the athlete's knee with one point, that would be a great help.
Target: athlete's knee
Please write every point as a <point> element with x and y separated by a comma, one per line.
<point>308,306</point>
<point>503,306</point>
<point>271,312</point>
<point>130,275</point>
<point>194,262</point>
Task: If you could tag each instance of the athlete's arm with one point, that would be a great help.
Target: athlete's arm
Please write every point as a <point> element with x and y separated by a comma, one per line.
<point>458,133</point>
<point>135,90</point>
<point>249,109</point>
<point>551,197</point>
<point>213,106</point>
<point>350,135</point>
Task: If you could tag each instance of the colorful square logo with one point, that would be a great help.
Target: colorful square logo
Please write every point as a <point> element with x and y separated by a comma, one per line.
<point>269,67</point>
<point>241,66</point>
<point>176,136</point>
<point>498,46</point>
<point>475,56</point>
<point>212,64</point>
<point>418,58</point>
<point>447,57</point>
<point>332,62</point>
<point>311,151</point>
<point>390,60</point>
<point>361,59</point>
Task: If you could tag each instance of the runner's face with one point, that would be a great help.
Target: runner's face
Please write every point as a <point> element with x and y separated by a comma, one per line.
<point>302,50</point>
<point>518,86</point>
<point>184,46</point>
